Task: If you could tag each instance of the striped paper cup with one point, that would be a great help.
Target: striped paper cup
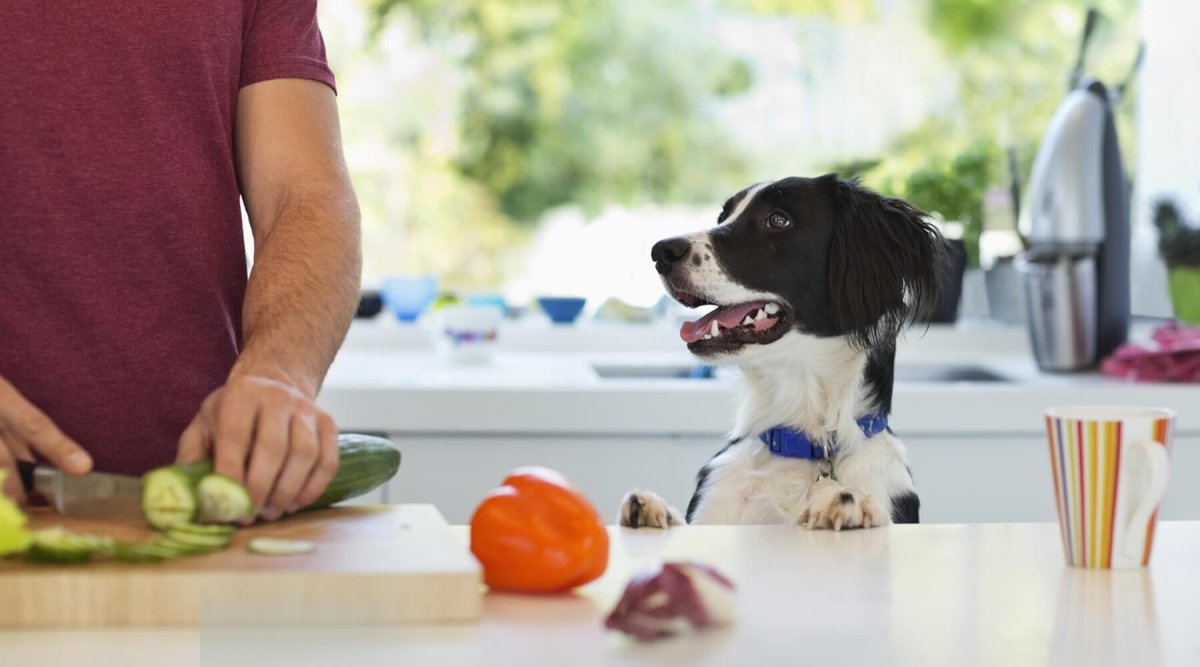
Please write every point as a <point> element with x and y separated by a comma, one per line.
<point>1110,473</point>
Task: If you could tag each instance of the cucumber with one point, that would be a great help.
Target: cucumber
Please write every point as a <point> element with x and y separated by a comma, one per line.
<point>223,500</point>
<point>274,546</point>
<point>168,493</point>
<point>55,545</point>
<point>366,463</point>
<point>171,497</point>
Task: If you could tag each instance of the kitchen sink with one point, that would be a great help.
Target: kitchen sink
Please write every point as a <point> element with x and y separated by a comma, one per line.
<point>946,373</point>
<point>905,372</point>
<point>654,371</point>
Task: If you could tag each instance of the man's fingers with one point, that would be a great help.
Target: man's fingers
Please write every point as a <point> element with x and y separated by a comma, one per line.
<point>326,465</point>
<point>233,433</point>
<point>269,453</point>
<point>194,441</point>
<point>21,420</point>
<point>301,457</point>
<point>12,481</point>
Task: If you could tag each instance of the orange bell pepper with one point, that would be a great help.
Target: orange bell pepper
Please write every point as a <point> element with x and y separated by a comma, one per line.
<point>537,533</point>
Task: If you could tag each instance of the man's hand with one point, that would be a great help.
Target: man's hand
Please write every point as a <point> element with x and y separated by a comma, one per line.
<point>262,427</point>
<point>24,430</point>
<point>269,435</point>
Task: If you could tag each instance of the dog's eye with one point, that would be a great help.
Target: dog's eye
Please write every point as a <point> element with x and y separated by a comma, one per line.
<point>778,220</point>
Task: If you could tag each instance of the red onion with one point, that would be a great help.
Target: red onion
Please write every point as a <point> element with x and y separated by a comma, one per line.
<point>677,597</point>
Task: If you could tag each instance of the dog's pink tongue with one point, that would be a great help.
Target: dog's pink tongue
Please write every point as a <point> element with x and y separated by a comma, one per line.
<point>727,317</point>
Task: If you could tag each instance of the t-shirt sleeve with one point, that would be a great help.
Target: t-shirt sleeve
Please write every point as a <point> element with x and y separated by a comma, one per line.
<point>283,41</point>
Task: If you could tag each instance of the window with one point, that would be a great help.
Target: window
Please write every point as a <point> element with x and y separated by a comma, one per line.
<point>542,146</point>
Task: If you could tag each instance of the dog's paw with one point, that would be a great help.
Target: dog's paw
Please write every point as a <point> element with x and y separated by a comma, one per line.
<point>643,509</point>
<point>831,505</point>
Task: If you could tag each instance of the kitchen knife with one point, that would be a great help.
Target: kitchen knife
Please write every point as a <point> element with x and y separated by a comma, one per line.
<point>97,494</point>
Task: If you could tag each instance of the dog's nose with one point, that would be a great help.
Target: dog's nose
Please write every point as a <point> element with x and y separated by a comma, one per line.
<point>668,251</point>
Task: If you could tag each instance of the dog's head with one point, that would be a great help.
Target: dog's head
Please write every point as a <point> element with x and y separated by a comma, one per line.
<point>803,257</point>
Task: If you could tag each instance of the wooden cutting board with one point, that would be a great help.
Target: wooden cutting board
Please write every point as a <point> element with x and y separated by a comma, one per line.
<point>378,564</point>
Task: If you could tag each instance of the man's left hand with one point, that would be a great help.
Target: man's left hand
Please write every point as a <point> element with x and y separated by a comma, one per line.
<point>269,435</point>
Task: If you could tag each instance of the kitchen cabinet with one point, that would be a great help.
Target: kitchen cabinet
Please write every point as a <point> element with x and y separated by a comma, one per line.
<point>961,479</point>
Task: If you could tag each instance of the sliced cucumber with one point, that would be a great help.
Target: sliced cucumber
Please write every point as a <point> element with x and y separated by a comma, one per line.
<point>183,548</point>
<point>143,553</point>
<point>223,500</point>
<point>168,496</point>
<point>55,545</point>
<point>275,546</point>
<point>193,539</point>
<point>167,519</point>
<point>204,529</point>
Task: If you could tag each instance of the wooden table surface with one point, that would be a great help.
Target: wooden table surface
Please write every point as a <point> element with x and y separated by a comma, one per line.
<point>994,594</point>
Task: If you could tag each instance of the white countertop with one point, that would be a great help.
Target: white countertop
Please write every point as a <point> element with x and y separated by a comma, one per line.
<point>925,596</point>
<point>543,380</point>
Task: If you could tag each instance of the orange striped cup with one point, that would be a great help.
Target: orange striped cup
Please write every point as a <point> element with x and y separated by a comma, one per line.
<point>1110,473</point>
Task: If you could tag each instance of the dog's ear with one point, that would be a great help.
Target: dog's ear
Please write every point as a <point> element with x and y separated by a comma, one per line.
<point>885,263</point>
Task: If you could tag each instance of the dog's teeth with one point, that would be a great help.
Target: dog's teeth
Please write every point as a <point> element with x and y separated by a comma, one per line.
<point>748,321</point>
<point>706,337</point>
<point>771,308</point>
<point>716,330</point>
<point>760,315</point>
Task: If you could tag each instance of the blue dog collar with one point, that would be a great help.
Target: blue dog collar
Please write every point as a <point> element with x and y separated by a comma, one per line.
<point>794,444</point>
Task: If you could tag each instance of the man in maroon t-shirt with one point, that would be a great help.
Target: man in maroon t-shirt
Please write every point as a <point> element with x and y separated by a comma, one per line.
<point>129,334</point>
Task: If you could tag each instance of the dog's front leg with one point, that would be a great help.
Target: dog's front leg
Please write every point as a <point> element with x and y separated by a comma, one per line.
<point>835,506</point>
<point>645,509</point>
<point>873,488</point>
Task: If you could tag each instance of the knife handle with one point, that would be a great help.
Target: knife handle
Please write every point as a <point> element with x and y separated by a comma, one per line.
<point>25,470</point>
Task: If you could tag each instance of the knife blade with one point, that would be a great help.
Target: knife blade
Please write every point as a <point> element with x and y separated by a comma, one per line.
<point>94,495</point>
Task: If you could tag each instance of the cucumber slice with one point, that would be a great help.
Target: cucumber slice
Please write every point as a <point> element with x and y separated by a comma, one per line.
<point>183,548</point>
<point>56,545</point>
<point>204,529</point>
<point>275,546</point>
<point>223,500</point>
<point>193,539</point>
<point>168,498</point>
<point>167,519</point>
<point>143,553</point>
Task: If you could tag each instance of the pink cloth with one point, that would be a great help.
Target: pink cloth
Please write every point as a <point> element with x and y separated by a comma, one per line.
<point>1173,355</point>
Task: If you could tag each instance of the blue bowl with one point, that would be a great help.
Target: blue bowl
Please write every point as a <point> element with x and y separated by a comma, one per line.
<point>562,310</point>
<point>408,296</point>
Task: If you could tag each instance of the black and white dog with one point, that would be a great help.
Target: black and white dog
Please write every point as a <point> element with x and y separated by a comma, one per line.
<point>813,279</point>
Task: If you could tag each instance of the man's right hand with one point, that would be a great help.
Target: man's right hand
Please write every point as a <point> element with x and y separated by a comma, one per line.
<point>24,430</point>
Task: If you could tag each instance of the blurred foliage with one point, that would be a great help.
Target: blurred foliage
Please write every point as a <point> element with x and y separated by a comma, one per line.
<point>1178,241</point>
<point>588,102</point>
<point>618,102</point>
<point>844,10</point>
<point>954,189</point>
<point>1013,60</point>
<point>962,24</point>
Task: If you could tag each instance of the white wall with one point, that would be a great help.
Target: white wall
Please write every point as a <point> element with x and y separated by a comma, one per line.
<point>1168,136</point>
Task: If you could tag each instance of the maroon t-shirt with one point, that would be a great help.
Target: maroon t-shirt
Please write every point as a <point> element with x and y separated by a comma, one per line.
<point>122,264</point>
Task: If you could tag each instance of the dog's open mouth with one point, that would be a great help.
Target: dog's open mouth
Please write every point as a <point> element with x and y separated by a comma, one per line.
<point>730,327</point>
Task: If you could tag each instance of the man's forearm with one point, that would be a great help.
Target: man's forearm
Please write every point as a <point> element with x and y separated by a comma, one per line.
<point>303,288</point>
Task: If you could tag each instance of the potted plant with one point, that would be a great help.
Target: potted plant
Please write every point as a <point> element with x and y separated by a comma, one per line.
<point>1179,247</point>
<point>954,191</point>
